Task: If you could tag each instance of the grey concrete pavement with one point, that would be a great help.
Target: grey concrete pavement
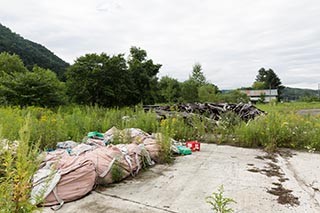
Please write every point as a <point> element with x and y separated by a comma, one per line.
<point>249,176</point>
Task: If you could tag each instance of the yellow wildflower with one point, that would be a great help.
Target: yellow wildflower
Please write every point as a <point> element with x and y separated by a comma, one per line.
<point>43,118</point>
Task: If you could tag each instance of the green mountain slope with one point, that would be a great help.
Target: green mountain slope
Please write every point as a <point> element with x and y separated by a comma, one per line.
<point>293,94</point>
<point>31,53</point>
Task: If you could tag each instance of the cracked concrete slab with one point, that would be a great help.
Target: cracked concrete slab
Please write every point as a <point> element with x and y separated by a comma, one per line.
<point>246,174</point>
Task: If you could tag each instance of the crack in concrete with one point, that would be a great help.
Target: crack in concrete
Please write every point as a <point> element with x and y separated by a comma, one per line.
<point>136,202</point>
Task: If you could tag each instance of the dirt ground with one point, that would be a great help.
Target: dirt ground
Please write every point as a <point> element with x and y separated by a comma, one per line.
<point>257,181</point>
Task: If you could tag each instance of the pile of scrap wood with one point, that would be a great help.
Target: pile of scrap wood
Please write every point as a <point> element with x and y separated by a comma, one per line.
<point>210,110</point>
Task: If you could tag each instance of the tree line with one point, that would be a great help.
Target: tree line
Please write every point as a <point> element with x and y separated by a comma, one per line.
<point>111,81</point>
<point>135,79</point>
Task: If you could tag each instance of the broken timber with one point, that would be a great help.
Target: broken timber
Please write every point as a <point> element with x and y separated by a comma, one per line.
<point>210,110</point>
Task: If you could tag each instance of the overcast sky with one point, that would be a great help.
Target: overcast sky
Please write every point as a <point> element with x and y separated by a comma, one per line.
<point>231,39</point>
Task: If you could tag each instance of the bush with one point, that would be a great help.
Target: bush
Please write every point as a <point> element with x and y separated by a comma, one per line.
<point>38,87</point>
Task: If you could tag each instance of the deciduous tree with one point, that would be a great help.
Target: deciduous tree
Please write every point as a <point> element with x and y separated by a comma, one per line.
<point>189,91</point>
<point>39,87</point>
<point>100,79</point>
<point>207,93</point>
<point>197,75</point>
<point>144,74</point>
<point>169,90</point>
<point>259,85</point>
<point>11,63</point>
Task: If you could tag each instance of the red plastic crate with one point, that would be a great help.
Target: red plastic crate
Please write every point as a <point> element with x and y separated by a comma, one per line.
<point>193,145</point>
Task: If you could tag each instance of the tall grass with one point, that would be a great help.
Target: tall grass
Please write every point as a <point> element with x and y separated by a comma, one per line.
<point>282,127</point>
<point>288,107</point>
<point>50,126</point>
<point>18,163</point>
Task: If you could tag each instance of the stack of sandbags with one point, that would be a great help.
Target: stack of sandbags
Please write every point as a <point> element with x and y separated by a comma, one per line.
<point>72,171</point>
<point>114,163</point>
<point>138,136</point>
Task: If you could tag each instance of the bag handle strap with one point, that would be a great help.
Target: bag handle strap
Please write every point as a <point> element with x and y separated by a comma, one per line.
<point>108,169</point>
<point>61,202</point>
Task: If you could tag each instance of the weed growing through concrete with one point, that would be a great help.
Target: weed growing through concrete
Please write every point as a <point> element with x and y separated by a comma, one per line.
<point>164,140</point>
<point>219,203</point>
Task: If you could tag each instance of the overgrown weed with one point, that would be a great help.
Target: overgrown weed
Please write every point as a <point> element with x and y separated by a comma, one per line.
<point>19,162</point>
<point>219,203</point>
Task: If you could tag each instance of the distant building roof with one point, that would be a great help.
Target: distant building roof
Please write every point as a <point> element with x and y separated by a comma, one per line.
<point>255,93</point>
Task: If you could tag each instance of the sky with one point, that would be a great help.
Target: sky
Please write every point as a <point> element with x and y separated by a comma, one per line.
<point>231,39</point>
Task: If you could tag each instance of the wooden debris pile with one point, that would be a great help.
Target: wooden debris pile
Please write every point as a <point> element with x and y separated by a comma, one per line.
<point>210,110</point>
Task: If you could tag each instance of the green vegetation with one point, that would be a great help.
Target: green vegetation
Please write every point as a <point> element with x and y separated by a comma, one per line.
<point>195,89</point>
<point>116,171</point>
<point>189,91</point>
<point>164,140</point>
<point>19,160</point>
<point>73,123</point>
<point>197,75</point>
<point>107,81</point>
<point>114,81</point>
<point>38,87</point>
<point>144,75</point>
<point>21,87</point>
<point>99,79</point>
<point>296,94</point>
<point>234,96</point>
<point>207,93</point>
<point>169,90</point>
<point>288,107</point>
<point>31,53</point>
<point>11,64</point>
<point>219,203</point>
<point>267,79</point>
<point>121,137</point>
<point>283,126</point>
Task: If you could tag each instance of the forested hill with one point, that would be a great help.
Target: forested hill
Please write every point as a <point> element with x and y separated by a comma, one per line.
<point>31,53</point>
<point>294,94</point>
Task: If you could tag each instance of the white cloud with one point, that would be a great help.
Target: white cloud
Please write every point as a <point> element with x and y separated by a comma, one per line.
<point>231,39</point>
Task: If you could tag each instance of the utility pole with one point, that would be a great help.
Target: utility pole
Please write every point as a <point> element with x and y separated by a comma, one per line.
<point>319,90</point>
